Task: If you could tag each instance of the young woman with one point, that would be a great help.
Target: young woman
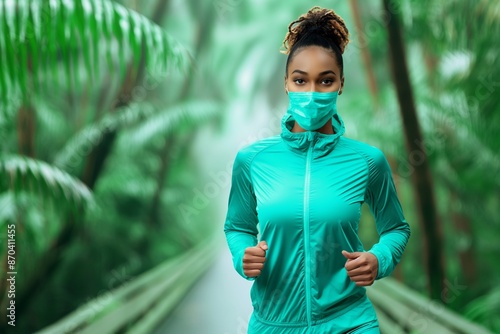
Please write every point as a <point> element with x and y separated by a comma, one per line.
<point>304,188</point>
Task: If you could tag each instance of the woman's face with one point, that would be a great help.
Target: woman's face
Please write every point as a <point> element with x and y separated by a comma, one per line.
<point>314,69</point>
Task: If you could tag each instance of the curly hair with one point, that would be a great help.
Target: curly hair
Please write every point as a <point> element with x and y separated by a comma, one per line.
<point>320,27</point>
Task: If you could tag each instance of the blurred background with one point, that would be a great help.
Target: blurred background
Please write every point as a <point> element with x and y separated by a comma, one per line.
<point>120,121</point>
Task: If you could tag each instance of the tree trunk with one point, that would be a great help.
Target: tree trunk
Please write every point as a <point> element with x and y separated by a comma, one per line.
<point>373,88</point>
<point>421,175</point>
<point>365,53</point>
<point>26,130</point>
<point>165,159</point>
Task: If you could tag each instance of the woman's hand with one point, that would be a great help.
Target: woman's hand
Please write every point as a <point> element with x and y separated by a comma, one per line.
<point>362,267</point>
<point>254,258</point>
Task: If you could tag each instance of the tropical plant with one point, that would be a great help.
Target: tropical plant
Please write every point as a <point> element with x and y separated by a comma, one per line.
<point>453,67</point>
<point>74,81</point>
<point>98,148</point>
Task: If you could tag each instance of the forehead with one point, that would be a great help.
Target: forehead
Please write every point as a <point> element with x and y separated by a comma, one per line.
<point>313,59</point>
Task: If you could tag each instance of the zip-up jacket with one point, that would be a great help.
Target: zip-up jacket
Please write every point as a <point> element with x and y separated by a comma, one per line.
<point>302,193</point>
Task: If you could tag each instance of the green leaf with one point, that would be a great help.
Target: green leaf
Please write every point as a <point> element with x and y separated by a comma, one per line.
<point>173,120</point>
<point>26,174</point>
<point>118,33</point>
<point>20,47</point>
<point>148,41</point>
<point>10,53</point>
<point>82,15</point>
<point>134,36</point>
<point>31,43</point>
<point>76,36</point>
<point>57,35</point>
<point>107,16</point>
<point>50,19</point>
<point>95,33</point>
<point>77,147</point>
<point>8,208</point>
<point>3,82</point>
<point>62,27</point>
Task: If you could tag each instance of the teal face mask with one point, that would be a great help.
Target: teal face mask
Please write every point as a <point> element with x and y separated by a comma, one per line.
<point>311,110</point>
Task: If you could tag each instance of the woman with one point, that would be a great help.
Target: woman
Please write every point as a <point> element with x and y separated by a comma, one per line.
<point>305,189</point>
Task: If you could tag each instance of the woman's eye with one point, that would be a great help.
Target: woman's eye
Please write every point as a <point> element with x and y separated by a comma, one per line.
<point>299,81</point>
<point>327,81</point>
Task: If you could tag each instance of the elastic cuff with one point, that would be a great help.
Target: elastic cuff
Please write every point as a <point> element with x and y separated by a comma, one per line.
<point>382,263</point>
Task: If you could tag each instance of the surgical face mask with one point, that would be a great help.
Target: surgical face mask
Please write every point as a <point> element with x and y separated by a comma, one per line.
<point>311,110</point>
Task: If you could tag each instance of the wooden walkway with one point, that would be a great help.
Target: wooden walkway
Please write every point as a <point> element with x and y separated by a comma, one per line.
<point>219,303</point>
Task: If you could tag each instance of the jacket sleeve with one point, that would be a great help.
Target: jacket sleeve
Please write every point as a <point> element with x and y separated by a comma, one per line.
<point>241,220</point>
<point>391,225</point>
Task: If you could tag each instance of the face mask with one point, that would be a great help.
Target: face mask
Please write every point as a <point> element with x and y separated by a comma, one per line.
<point>311,110</point>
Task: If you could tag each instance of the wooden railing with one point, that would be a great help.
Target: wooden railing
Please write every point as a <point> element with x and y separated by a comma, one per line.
<point>403,310</point>
<point>141,304</point>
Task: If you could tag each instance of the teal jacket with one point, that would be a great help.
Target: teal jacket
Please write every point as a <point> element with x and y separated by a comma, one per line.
<point>303,193</point>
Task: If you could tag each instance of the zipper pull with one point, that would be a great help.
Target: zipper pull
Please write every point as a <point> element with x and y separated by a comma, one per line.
<point>310,136</point>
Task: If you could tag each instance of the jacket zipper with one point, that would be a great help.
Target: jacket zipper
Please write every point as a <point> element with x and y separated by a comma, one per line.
<point>306,234</point>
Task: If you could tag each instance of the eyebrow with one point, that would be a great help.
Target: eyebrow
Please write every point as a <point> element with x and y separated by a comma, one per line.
<point>322,73</point>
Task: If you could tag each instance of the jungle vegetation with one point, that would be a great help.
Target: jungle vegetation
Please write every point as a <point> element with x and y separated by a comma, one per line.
<point>105,104</point>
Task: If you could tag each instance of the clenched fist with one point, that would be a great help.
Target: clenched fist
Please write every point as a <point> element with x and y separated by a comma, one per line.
<point>362,267</point>
<point>254,258</point>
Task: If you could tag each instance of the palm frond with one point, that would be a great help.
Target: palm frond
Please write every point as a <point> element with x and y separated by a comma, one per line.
<point>484,308</point>
<point>39,37</point>
<point>22,174</point>
<point>8,208</point>
<point>81,144</point>
<point>173,120</point>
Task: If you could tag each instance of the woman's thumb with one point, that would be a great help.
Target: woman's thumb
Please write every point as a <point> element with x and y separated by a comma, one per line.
<point>349,256</point>
<point>262,245</point>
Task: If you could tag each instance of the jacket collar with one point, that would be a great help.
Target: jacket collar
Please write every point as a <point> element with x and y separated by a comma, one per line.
<point>300,141</point>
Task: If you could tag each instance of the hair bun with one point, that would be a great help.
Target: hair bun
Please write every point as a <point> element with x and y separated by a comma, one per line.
<point>321,21</point>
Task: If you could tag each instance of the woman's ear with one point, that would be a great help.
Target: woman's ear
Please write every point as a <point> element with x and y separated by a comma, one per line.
<point>341,86</point>
<point>286,87</point>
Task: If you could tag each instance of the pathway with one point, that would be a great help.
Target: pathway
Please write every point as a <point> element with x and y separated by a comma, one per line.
<point>219,303</point>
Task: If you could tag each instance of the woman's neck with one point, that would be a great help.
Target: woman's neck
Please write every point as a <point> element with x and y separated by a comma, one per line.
<point>325,129</point>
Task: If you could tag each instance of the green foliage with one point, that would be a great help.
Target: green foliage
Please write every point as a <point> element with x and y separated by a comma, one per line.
<point>23,174</point>
<point>81,143</point>
<point>97,72</point>
<point>145,300</point>
<point>67,41</point>
<point>482,308</point>
<point>454,68</point>
<point>175,119</point>
<point>76,77</point>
